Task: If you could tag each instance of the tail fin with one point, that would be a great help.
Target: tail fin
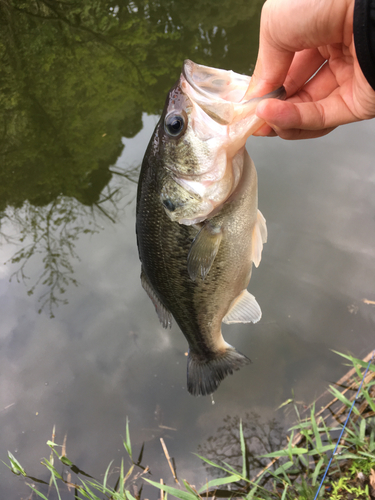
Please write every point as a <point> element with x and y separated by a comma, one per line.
<point>204,375</point>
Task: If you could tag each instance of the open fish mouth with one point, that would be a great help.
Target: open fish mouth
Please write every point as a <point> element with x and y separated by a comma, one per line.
<point>221,93</point>
<point>215,83</point>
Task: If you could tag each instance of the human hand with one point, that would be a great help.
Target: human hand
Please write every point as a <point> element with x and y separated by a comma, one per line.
<point>297,37</point>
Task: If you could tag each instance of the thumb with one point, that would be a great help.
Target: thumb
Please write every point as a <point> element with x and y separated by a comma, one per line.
<point>326,113</point>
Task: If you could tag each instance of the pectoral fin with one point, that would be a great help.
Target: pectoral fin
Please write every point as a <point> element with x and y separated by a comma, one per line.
<point>203,250</point>
<point>259,237</point>
<point>244,309</point>
<point>165,317</point>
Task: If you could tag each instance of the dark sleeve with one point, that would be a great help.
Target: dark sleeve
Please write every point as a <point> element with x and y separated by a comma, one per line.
<point>364,37</point>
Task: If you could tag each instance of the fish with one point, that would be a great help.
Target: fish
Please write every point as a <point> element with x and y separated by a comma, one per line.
<point>198,227</point>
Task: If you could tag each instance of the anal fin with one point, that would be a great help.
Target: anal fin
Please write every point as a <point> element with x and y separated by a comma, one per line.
<point>165,317</point>
<point>244,309</point>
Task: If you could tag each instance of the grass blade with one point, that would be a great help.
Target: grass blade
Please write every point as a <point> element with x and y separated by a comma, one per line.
<point>16,467</point>
<point>129,496</point>
<point>219,482</point>
<point>283,468</point>
<point>243,451</point>
<point>284,492</point>
<point>182,495</point>
<point>369,400</point>
<point>285,453</point>
<point>343,399</point>
<point>190,488</point>
<point>210,462</point>
<point>318,440</point>
<point>316,472</point>
<point>127,442</point>
<point>355,361</point>
<point>38,493</point>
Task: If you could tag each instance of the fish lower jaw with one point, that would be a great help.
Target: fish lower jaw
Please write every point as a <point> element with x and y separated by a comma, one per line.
<point>205,210</point>
<point>191,222</point>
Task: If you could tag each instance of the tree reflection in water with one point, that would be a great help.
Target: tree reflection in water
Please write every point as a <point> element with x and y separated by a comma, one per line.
<point>48,236</point>
<point>75,78</point>
<point>260,438</point>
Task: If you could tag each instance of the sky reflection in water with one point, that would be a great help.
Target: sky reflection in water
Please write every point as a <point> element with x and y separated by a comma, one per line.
<point>104,355</point>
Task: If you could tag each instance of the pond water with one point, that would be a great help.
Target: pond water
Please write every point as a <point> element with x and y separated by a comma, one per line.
<point>81,346</point>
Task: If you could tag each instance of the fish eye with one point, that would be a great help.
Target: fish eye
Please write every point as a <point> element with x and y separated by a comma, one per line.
<point>175,124</point>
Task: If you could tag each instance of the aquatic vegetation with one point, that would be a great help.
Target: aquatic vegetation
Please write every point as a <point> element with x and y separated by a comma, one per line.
<point>299,466</point>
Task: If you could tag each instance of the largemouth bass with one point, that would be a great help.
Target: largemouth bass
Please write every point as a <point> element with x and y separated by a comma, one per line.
<point>198,226</point>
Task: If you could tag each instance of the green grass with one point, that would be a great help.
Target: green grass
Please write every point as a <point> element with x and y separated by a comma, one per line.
<point>296,469</point>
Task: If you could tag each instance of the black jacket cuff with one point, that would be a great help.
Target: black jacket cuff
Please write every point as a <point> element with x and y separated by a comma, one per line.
<point>364,37</point>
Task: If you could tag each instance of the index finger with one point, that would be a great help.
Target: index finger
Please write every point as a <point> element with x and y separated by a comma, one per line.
<point>290,27</point>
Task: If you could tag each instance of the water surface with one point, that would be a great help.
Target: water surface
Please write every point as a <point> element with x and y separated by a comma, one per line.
<point>81,345</point>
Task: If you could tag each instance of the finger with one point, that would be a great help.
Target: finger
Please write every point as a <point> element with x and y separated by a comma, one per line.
<point>291,134</point>
<point>304,65</point>
<point>310,61</point>
<point>323,84</point>
<point>261,84</point>
<point>265,131</point>
<point>262,81</point>
<point>281,36</point>
<point>266,76</point>
<point>298,134</point>
<point>326,113</point>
